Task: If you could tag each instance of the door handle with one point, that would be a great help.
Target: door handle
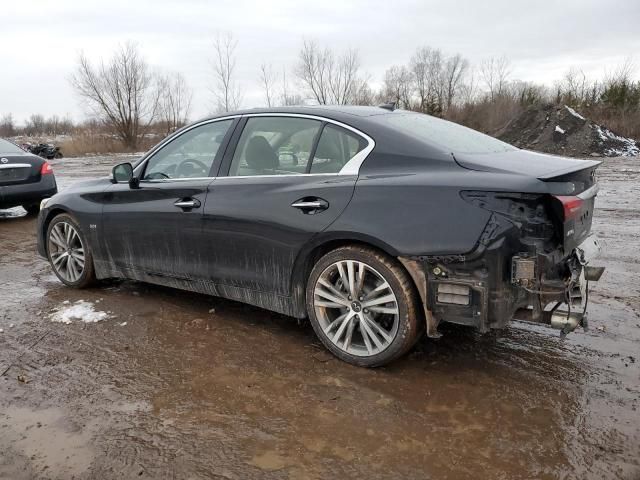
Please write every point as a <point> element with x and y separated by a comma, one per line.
<point>311,205</point>
<point>188,203</point>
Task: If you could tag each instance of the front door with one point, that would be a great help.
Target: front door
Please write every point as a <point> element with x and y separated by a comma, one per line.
<point>156,228</point>
<point>283,186</point>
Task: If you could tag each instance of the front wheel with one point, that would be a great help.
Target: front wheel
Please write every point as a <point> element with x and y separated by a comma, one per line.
<point>363,306</point>
<point>69,253</point>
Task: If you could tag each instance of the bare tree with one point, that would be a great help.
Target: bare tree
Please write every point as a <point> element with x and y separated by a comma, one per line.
<point>574,87</point>
<point>624,73</point>
<point>121,92</point>
<point>268,79</point>
<point>398,84</point>
<point>327,78</point>
<point>468,93</point>
<point>228,94</point>
<point>7,126</point>
<point>313,71</point>
<point>363,94</point>
<point>175,98</point>
<point>35,125</point>
<point>495,73</point>
<point>426,69</point>
<point>287,97</point>
<point>454,70</point>
<point>343,77</point>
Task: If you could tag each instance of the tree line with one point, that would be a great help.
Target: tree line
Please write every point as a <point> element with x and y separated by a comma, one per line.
<point>126,95</point>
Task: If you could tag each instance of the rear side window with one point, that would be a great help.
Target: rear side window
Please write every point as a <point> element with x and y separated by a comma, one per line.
<point>335,148</point>
<point>9,148</point>
<point>274,146</point>
<point>448,135</point>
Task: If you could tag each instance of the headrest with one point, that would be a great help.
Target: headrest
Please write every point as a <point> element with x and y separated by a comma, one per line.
<point>260,155</point>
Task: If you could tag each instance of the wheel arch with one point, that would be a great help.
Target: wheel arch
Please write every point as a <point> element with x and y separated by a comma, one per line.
<point>320,246</point>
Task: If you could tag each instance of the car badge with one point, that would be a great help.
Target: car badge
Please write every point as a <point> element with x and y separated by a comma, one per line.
<point>4,160</point>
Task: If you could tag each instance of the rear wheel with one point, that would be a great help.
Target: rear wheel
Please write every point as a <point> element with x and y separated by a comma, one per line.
<point>69,253</point>
<point>363,306</point>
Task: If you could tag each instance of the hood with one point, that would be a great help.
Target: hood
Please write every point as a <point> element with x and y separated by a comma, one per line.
<point>523,162</point>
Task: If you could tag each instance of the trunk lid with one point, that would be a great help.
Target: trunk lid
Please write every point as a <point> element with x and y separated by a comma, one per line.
<point>523,162</point>
<point>15,169</point>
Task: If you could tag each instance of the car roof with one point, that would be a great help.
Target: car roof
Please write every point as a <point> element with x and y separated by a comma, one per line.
<point>334,112</point>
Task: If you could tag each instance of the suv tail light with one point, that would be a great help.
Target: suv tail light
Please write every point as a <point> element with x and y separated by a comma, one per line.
<point>571,205</point>
<point>46,169</point>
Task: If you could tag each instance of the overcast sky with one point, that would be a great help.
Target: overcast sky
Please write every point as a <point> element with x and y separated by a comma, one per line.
<point>41,39</point>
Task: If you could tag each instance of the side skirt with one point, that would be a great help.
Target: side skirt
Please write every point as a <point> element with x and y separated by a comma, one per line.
<point>268,301</point>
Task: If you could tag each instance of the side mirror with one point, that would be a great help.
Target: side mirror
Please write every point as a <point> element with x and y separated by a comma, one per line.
<point>123,173</point>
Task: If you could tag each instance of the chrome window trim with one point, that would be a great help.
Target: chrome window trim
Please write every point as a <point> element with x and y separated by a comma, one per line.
<point>181,179</point>
<point>4,166</point>
<point>287,175</point>
<point>170,139</point>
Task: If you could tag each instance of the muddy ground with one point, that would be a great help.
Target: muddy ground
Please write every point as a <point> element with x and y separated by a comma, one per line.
<point>241,393</point>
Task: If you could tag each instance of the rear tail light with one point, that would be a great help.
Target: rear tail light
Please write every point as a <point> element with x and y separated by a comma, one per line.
<point>571,206</point>
<point>46,169</point>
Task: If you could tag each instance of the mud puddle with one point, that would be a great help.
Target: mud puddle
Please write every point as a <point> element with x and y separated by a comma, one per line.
<point>178,385</point>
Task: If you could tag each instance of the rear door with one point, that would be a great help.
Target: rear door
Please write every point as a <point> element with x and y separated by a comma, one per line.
<point>156,228</point>
<point>285,181</point>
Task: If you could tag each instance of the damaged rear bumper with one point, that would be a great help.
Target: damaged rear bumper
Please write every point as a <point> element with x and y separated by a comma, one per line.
<point>486,289</point>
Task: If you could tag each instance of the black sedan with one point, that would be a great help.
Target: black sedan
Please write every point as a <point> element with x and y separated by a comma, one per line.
<point>25,179</point>
<point>376,224</point>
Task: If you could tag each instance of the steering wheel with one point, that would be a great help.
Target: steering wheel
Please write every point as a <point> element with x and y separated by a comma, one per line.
<point>193,163</point>
<point>156,176</point>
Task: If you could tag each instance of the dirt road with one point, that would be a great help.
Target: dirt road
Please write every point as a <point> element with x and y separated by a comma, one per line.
<point>178,385</point>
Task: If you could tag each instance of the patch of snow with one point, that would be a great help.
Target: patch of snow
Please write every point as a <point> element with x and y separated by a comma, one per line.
<point>80,310</point>
<point>574,113</point>
<point>559,130</point>
<point>123,324</point>
<point>628,148</point>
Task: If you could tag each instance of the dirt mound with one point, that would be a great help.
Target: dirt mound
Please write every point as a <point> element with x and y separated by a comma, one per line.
<point>563,131</point>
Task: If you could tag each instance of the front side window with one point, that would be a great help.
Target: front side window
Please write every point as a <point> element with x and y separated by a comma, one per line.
<point>335,148</point>
<point>274,146</point>
<point>189,155</point>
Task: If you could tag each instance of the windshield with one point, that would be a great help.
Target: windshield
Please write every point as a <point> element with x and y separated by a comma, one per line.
<point>9,148</point>
<point>448,135</point>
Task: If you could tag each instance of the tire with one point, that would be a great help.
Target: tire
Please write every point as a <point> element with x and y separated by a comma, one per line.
<point>59,249</point>
<point>33,209</point>
<point>391,328</point>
